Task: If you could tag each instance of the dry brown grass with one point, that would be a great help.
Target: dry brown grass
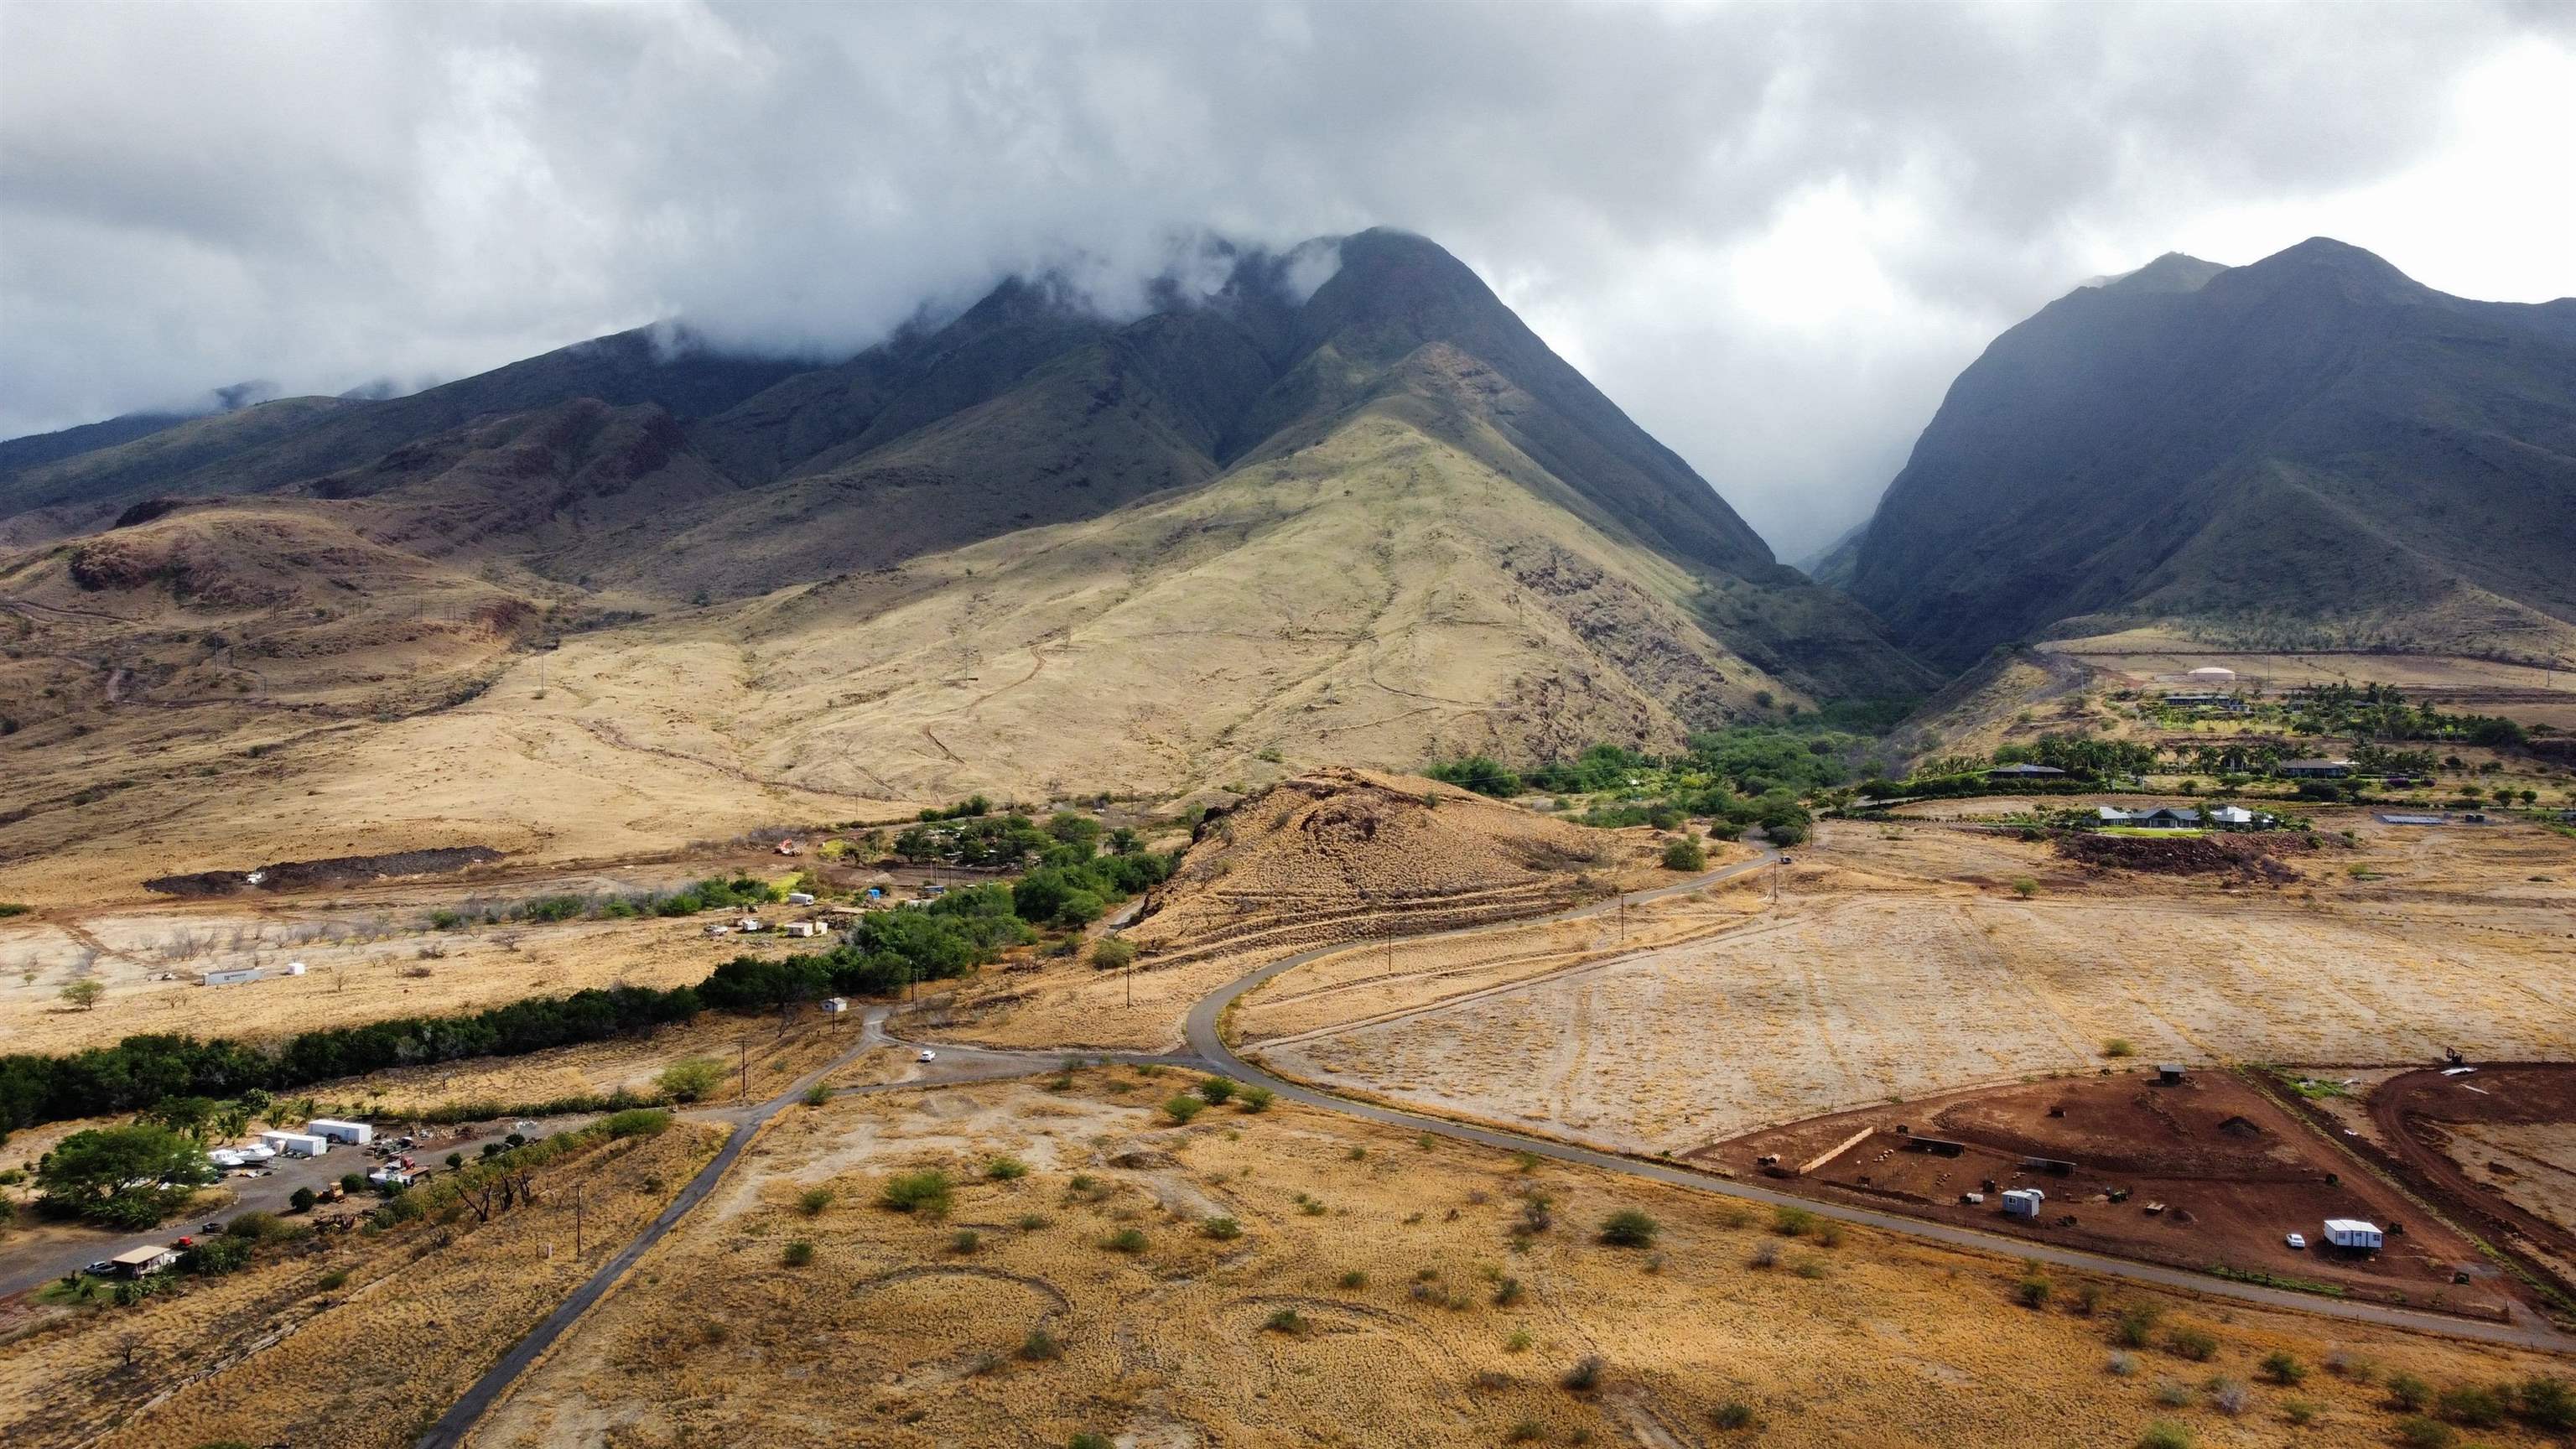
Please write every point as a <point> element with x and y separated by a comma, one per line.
<point>1402,1330</point>
<point>271,1354</point>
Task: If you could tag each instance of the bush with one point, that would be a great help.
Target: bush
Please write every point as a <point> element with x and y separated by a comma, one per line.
<point>965,1240</point>
<point>1253,1098</point>
<point>1786,833</point>
<point>2548,1402</point>
<point>2121,1365</point>
<point>332,1281</point>
<point>691,1079</point>
<point>1284,1320</point>
<point>258,1227</point>
<point>1040,1347</point>
<point>1733,1414</point>
<point>813,1200</point>
<point>2475,1405</point>
<point>2228,1396</point>
<point>2135,1325</point>
<point>2192,1343</point>
<point>2418,1432</point>
<point>1584,1377</point>
<point>926,1193</point>
<point>2119,1046</point>
<point>301,1200</point>
<point>1111,953</point>
<point>2409,1392</point>
<point>1629,1228</point>
<point>1125,1240</point>
<point>636,1122</point>
<point>1216,1090</point>
<point>1223,1229</point>
<point>818,1094</point>
<point>797,1254</point>
<point>1685,854</point>
<point>2033,1290</point>
<point>1183,1106</point>
<point>1792,1222</point>
<point>1088,1441</point>
<point>2165,1434</point>
<point>2283,1367</point>
<point>1006,1169</point>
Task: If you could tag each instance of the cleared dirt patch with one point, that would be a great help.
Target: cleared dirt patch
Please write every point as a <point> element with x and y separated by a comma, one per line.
<point>292,875</point>
<point>2199,1173</point>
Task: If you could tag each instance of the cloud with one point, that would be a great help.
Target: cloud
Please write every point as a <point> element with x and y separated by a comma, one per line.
<point>1773,234</point>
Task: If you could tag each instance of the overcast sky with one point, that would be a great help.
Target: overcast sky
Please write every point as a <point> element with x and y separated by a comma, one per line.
<point>1771,233</point>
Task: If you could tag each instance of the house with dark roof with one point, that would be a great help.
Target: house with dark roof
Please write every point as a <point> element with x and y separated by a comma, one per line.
<point>2313,769</point>
<point>2168,817</point>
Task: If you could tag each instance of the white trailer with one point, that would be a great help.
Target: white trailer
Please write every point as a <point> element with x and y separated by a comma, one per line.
<point>356,1134</point>
<point>295,1144</point>
<point>2352,1233</point>
<point>2023,1202</point>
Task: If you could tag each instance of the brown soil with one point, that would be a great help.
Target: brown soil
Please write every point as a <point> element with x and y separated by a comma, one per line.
<point>2232,1171</point>
<point>2252,859</point>
<point>2455,1140</point>
<point>294,875</point>
<point>1305,860</point>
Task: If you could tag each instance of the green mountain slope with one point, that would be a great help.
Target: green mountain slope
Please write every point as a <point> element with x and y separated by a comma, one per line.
<point>2312,450</point>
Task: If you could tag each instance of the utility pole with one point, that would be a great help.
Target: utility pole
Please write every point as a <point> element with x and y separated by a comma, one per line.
<point>742,1049</point>
<point>576,1221</point>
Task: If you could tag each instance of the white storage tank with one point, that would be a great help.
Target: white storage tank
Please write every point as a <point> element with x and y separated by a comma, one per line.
<point>2023,1202</point>
<point>356,1134</point>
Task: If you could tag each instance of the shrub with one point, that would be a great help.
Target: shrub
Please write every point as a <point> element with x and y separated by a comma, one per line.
<point>1088,1441</point>
<point>2475,1405</point>
<point>924,1192</point>
<point>2192,1343</point>
<point>1766,1254</point>
<point>2135,1325</point>
<point>1182,1107</point>
<point>2165,1434</point>
<point>1040,1347</point>
<point>966,1240</point>
<point>1733,1414</point>
<point>818,1094</point>
<point>2298,1411</point>
<point>2409,1392</point>
<point>258,1227</point>
<point>1527,1431</point>
<point>1223,1229</point>
<point>1353,1280</point>
<point>335,1279</point>
<point>1006,1169</point>
<point>1125,1240</point>
<point>1284,1320</point>
<point>1253,1098</point>
<point>2548,1402</point>
<point>1110,953</point>
<point>2121,1365</point>
<point>691,1079</point>
<point>2173,1393</point>
<point>1519,1342</point>
<point>813,1200</point>
<point>301,1200</point>
<point>1792,1222</point>
<point>2418,1432</point>
<point>2024,887</point>
<point>2351,1366</point>
<point>1507,1292</point>
<point>1584,1377</point>
<point>2283,1367</point>
<point>2228,1396</point>
<point>1685,854</point>
<point>2119,1046</point>
<point>797,1254</point>
<point>1031,1222</point>
<point>2033,1290</point>
<point>636,1122</point>
<point>1629,1228</point>
<point>1215,1090</point>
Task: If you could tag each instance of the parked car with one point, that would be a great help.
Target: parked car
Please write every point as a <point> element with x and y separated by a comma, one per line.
<point>927,1056</point>
<point>2298,1240</point>
<point>103,1268</point>
<point>211,1229</point>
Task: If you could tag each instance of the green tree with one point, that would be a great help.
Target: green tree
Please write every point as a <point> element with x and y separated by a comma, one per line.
<point>83,994</point>
<point>123,1175</point>
<point>691,1079</point>
<point>1682,853</point>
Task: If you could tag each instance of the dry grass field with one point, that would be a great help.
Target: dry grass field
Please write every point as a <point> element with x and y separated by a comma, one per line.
<point>1902,961</point>
<point>1299,1279</point>
<point>353,1340</point>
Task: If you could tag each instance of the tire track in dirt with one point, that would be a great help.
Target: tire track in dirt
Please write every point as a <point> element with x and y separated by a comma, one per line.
<point>610,735</point>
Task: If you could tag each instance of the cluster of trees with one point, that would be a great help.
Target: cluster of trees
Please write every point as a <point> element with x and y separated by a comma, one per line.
<point>712,894</point>
<point>2380,712</point>
<point>127,1177</point>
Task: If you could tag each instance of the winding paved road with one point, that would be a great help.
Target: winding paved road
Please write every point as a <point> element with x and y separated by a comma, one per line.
<point>1208,1050</point>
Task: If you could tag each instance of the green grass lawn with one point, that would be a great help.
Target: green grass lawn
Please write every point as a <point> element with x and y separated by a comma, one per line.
<point>2143,833</point>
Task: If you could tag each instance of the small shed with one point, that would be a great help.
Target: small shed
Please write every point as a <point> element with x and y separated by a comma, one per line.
<point>356,1134</point>
<point>136,1262</point>
<point>750,923</point>
<point>294,968</point>
<point>2169,1073</point>
<point>2023,1202</point>
<point>2313,769</point>
<point>834,1005</point>
<point>805,928</point>
<point>800,898</point>
<point>2352,1233</point>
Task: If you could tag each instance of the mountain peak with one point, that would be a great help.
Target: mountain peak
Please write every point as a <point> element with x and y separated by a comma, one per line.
<point>2322,264</point>
<point>2172,272</point>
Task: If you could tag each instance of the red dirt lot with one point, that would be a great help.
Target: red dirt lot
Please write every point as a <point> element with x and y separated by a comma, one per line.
<point>2234,1174</point>
<point>2428,1123</point>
